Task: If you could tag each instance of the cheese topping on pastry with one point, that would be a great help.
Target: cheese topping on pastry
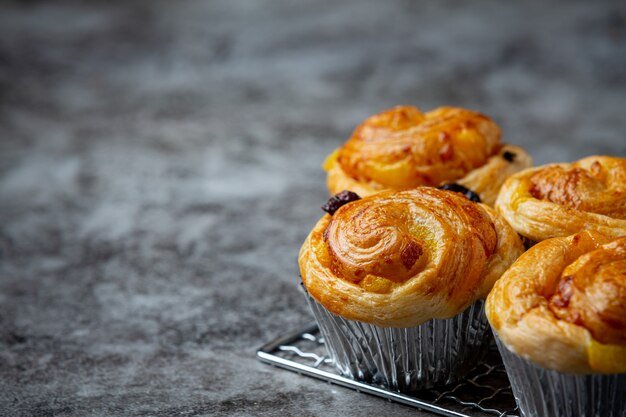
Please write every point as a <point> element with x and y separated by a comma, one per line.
<point>562,199</point>
<point>562,304</point>
<point>398,259</point>
<point>404,148</point>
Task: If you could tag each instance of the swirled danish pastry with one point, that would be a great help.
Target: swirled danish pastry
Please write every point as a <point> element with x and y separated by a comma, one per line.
<point>563,199</point>
<point>398,259</point>
<point>403,148</point>
<point>562,304</point>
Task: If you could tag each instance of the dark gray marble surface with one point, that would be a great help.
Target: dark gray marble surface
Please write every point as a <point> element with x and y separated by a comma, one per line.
<point>160,167</point>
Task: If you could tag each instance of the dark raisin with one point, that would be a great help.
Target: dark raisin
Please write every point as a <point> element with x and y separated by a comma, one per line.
<point>458,188</point>
<point>509,156</point>
<point>340,199</point>
<point>528,243</point>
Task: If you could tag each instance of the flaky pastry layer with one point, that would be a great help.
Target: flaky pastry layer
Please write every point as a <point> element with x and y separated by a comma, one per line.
<point>562,199</point>
<point>403,148</point>
<point>399,259</point>
<point>562,304</point>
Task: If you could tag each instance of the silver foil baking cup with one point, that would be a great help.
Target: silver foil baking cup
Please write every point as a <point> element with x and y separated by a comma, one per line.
<point>437,352</point>
<point>543,392</point>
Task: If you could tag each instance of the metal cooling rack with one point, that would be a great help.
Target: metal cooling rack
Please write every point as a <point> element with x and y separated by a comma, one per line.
<point>485,391</point>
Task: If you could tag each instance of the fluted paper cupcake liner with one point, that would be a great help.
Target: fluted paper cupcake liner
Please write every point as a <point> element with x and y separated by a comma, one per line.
<point>437,352</point>
<point>542,392</point>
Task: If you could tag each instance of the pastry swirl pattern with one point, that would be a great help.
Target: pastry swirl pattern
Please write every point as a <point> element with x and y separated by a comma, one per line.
<point>563,199</point>
<point>404,148</point>
<point>563,304</point>
<point>398,259</point>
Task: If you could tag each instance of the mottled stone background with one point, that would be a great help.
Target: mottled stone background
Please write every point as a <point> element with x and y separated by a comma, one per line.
<point>160,166</point>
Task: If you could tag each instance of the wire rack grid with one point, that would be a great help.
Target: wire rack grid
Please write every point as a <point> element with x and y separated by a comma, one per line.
<point>484,392</point>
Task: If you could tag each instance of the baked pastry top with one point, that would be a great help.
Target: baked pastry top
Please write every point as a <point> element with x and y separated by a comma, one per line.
<point>562,199</point>
<point>400,258</point>
<point>403,148</point>
<point>562,304</point>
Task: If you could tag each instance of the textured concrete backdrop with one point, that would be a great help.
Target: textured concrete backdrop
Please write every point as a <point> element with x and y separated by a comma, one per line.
<point>160,167</point>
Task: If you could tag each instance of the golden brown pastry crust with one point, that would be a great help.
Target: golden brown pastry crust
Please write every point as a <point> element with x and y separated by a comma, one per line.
<point>403,148</point>
<point>398,259</point>
<point>562,199</point>
<point>562,304</point>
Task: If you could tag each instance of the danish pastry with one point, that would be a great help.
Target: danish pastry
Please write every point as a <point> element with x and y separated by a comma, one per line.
<point>398,259</point>
<point>403,148</point>
<point>562,304</point>
<point>395,281</point>
<point>562,199</point>
<point>559,315</point>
